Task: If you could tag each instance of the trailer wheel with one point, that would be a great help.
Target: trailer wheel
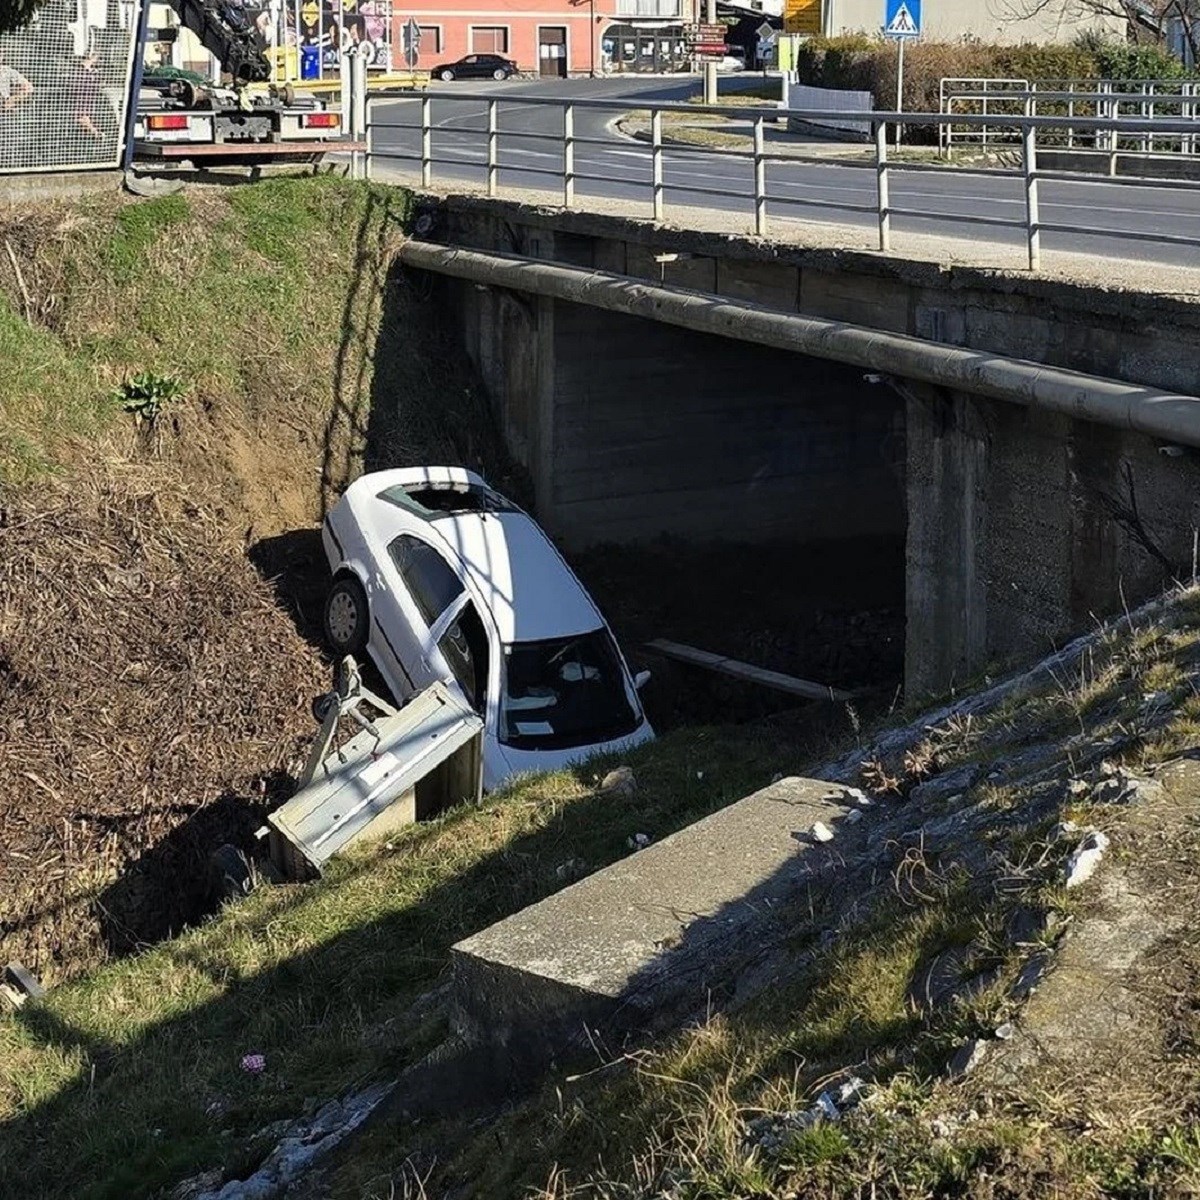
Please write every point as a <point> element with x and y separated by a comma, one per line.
<point>347,619</point>
<point>232,873</point>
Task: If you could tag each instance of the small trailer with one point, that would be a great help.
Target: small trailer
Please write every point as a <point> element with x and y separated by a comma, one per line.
<point>403,765</point>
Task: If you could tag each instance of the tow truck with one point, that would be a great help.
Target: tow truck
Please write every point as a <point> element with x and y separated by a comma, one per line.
<point>247,120</point>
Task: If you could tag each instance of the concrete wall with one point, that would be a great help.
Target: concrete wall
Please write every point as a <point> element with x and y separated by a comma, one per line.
<point>633,430</point>
<point>1020,526</point>
<point>1025,528</point>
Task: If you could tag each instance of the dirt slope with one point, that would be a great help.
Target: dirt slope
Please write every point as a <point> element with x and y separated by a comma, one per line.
<point>160,572</point>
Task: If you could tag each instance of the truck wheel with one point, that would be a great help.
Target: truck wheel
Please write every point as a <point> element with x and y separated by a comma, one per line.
<point>346,616</point>
<point>447,75</point>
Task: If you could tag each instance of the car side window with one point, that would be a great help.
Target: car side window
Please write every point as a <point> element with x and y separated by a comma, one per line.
<point>464,646</point>
<point>427,575</point>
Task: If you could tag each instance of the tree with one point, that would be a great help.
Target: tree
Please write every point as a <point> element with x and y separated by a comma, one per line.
<point>1145,20</point>
<point>16,14</point>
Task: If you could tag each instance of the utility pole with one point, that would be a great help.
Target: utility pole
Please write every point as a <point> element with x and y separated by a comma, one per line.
<point>710,67</point>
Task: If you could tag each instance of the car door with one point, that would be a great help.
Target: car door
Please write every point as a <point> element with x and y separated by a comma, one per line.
<point>429,586</point>
<point>470,68</point>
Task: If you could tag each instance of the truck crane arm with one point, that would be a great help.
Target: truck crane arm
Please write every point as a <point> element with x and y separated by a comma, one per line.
<point>230,33</point>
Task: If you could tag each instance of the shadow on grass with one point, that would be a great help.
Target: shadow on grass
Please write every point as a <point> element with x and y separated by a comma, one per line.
<point>148,1050</point>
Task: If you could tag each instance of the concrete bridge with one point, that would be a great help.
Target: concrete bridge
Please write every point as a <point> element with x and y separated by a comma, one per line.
<point>1031,442</point>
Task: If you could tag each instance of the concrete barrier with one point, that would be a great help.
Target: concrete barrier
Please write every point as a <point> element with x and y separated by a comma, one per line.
<point>810,99</point>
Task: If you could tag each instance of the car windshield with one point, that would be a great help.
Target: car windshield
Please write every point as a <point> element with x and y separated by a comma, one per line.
<point>565,692</point>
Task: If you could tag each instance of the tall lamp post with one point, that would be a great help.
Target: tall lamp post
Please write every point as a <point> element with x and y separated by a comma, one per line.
<point>592,29</point>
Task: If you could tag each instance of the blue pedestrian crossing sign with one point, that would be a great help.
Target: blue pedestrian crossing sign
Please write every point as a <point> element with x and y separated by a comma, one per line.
<point>902,18</point>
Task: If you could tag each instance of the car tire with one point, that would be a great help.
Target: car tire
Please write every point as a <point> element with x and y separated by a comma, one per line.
<point>347,618</point>
<point>447,76</point>
<point>499,73</point>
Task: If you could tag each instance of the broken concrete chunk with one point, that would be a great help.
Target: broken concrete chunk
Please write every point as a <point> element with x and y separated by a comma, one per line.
<point>821,832</point>
<point>1082,864</point>
<point>968,1056</point>
<point>1006,1032</point>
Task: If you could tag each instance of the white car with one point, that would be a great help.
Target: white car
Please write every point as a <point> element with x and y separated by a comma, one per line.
<point>439,577</point>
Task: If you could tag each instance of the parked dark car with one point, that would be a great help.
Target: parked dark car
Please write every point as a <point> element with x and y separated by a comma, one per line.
<point>476,66</point>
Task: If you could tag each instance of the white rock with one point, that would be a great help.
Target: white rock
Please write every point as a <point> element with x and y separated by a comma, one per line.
<point>821,832</point>
<point>1006,1032</point>
<point>639,841</point>
<point>854,816</point>
<point>1082,864</point>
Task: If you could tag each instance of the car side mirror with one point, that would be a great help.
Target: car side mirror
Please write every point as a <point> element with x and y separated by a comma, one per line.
<point>640,680</point>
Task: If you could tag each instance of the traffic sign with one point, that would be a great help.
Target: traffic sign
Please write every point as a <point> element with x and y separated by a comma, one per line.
<point>410,36</point>
<point>705,33</point>
<point>764,31</point>
<point>902,18</point>
<point>805,17</point>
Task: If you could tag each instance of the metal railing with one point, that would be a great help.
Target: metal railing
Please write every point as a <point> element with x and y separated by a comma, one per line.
<point>1068,100</point>
<point>474,150</point>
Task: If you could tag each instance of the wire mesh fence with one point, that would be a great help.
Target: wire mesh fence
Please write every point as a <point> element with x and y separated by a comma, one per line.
<point>64,86</point>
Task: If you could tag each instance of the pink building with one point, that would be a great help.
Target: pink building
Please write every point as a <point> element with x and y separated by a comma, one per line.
<point>552,37</point>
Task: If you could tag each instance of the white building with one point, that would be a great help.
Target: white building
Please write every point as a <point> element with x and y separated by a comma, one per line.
<point>1011,21</point>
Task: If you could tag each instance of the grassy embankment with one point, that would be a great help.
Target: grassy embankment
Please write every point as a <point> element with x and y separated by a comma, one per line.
<point>145,724</point>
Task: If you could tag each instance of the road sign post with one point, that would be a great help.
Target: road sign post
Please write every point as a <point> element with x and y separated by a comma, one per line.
<point>901,21</point>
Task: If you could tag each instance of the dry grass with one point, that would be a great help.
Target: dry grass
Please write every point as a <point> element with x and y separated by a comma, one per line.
<point>156,698</point>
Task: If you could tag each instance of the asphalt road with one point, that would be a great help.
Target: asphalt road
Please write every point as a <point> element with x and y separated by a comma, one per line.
<point>615,167</point>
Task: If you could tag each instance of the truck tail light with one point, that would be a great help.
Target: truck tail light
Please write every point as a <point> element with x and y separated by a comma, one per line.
<point>323,120</point>
<point>167,121</point>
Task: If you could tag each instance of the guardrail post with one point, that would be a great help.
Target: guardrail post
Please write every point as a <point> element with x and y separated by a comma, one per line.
<point>368,166</point>
<point>656,162</point>
<point>760,179</point>
<point>426,141</point>
<point>358,69</point>
<point>1032,216</point>
<point>881,186</point>
<point>569,156</point>
<point>493,147</point>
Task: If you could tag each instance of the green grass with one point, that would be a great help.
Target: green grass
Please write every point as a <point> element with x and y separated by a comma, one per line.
<point>116,1071</point>
<point>242,293</point>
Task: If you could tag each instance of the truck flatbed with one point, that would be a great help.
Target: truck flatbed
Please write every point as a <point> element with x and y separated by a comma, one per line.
<point>215,151</point>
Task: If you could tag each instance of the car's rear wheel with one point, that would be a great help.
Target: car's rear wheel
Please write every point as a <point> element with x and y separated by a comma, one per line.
<point>499,73</point>
<point>347,618</point>
<point>447,75</point>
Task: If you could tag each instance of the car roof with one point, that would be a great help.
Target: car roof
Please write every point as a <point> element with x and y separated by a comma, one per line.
<point>531,592</point>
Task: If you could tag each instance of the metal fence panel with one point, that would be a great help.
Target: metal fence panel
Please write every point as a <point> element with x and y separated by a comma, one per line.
<point>64,86</point>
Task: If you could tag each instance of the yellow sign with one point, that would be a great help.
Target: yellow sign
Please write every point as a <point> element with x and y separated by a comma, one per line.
<point>803,17</point>
<point>310,13</point>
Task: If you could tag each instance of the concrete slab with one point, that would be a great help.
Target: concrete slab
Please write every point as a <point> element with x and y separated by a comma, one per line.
<point>678,928</point>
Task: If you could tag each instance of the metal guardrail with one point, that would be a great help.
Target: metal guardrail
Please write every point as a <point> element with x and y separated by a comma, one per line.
<point>1070,99</point>
<point>487,139</point>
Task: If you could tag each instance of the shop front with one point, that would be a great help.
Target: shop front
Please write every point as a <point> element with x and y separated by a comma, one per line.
<point>651,48</point>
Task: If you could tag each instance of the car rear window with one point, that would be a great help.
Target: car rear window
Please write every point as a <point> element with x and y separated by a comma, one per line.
<point>432,501</point>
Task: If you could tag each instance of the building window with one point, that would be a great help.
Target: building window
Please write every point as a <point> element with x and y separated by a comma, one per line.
<point>431,39</point>
<point>489,39</point>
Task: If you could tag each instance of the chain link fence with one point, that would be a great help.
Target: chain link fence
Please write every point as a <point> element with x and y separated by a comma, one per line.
<point>64,86</point>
